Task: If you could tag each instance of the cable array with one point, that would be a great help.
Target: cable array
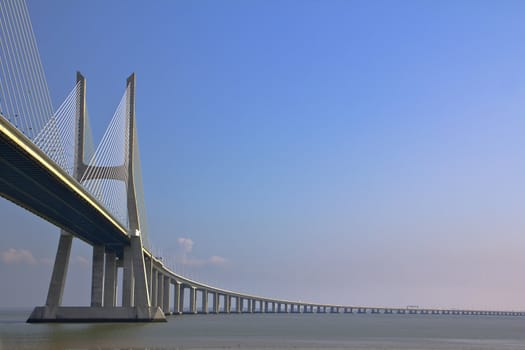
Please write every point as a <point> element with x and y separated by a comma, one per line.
<point>24,95</point>
<point>106,176</point>
<point>62,124</point>
<point>25,101</point>
<point>25,98</point>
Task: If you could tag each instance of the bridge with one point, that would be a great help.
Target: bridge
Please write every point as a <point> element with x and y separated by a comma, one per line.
<point>50,167</point>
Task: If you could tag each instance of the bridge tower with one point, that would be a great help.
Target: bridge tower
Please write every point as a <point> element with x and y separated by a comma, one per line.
<point>136,301</point>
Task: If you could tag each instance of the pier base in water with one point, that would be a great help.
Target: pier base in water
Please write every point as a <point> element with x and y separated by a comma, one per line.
<point>74,314</point>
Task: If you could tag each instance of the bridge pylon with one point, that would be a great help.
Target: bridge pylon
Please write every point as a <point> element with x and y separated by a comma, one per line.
<point>136,303</point>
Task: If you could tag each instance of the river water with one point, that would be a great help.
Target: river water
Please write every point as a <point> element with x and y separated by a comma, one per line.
<point>272,331</point>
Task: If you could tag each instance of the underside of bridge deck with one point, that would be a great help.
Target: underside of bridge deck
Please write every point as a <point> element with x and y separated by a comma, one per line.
<point>25,181</point>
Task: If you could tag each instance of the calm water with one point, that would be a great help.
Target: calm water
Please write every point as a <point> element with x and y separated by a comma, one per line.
<point>268,331</point>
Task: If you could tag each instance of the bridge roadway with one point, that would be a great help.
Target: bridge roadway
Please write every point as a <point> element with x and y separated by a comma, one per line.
<point>29,178</point>
<point>167,290</point>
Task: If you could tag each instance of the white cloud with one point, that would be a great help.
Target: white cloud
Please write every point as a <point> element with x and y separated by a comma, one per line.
<point>18,256</point>
<point>185,258</point>
<point>217,260</point>
<point>186,244</point>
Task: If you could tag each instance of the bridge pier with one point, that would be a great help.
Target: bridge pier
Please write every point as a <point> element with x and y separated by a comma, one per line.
<point>166,296</point>
<point>176,298</point>
<point>238,302</point>
<point>160,290</point>
<point>58,278</point>
<point>181,298</point>
<point>136,305</point>
<point>154,285</point>
<point>97,276</point>
<point>204,293</point>
<point>110,281</point>
<point>215,298</point>
<point>193,297</point>
<point>227,303</point>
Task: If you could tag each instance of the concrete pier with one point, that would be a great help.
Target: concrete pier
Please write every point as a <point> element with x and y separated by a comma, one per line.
<point>166,296</point>
<point>97,276</point>
<point>215,298</point>
<point>182,287</point>
<point>89,314</point>
<point>160,290</point>
<point>227,303</point>
<point>110,280</point>
<point>204,305</point>
<point>127,279</point>
<point>154,286</point>
<point>193,297</point>
<point>58,278</point>
<point>176,298</point>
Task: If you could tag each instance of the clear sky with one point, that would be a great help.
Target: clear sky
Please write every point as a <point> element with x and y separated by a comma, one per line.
<point>359,152</point>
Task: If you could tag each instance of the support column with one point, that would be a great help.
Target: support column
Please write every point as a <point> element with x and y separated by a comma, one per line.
<point>176,298</point>
<point>193,305</point>
<point>215,303</point>
<point>204,301</point>
<point>160,290</point>
<point>97,276</point>
<point>251,305</point>
<point>181,298</point>
<point>128,281</point>
<point>239,305</point>
<point>227,303</point>
<point>110,280</point>
<point>58,278</point>
<point>166,295</point>
<point>265,307</point>
<point>154,287</point>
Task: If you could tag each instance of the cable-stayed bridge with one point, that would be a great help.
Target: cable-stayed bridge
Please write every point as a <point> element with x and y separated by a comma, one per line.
<point>49,166</point>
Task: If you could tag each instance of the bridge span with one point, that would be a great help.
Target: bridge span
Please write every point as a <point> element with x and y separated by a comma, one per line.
<point>99,200</point>
<point>150,290</point>
<point>167,290</point>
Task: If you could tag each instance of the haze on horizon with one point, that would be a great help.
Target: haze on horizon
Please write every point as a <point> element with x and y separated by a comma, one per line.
<point>353,152</point>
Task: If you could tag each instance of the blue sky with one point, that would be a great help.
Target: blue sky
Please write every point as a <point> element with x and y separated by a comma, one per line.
<point>360,152</point>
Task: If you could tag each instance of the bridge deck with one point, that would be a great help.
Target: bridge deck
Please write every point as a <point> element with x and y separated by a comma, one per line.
<point>30,179</point>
